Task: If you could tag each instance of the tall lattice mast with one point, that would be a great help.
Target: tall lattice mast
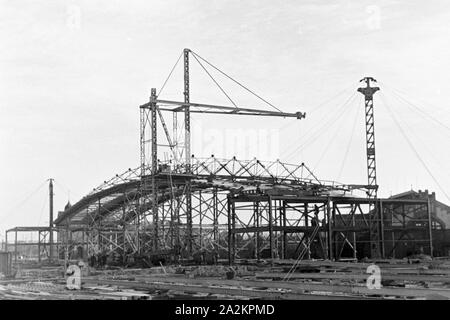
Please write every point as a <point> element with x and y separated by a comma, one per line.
<point>374,222</point>
<point>187,150</point>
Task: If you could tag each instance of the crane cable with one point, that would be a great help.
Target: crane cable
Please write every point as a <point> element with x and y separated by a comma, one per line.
<point>235,81</point>
<point>214,80</point>
<point>170,74</point>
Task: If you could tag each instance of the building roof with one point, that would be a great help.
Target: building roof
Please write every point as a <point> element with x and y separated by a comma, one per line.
<point>412,194</point>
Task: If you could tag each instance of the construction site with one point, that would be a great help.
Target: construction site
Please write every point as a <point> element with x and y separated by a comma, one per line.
<point>209,228</point>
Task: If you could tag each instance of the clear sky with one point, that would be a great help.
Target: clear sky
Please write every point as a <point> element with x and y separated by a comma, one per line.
<point>72,74</point>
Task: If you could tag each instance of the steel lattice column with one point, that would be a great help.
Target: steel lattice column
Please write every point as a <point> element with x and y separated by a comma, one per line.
<point>375,239</point>
<point>187,146</point>
<point>144,119</point>
<point>154,168</point>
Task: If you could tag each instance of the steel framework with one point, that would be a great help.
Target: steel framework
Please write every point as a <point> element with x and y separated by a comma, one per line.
<point>188,208</point>
<point>44,245</point>
<point>240,210</point>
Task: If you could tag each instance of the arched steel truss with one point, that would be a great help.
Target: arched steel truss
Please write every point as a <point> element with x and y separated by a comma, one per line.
<point>240,210</point>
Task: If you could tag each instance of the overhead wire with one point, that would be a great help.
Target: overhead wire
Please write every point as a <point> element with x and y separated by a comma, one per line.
<point>67,190</point>
<point>347,150</point>
<point>405,136</point>
<point>21,203</point>
<point>426,114</point>
<point>293,142</point>
<point>400,91</point>
<point>315,134</point>
<point>339,113</point>
<point>413,106</point>
<point>417,137</point>
<point>324,103</point>
<point>333,137</point>
<point>42,210</point>
<point>330,141</point>
<point>316,108</point>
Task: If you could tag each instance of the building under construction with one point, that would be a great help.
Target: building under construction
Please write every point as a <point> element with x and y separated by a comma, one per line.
<point>189,211</point>
<point>212,209</point>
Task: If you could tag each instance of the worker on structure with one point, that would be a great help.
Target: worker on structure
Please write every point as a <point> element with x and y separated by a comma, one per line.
<point>315,220</point>
<point>93,260</point>
<point>315,224</point>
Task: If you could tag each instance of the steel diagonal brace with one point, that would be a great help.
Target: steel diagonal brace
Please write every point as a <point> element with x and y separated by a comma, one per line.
<point>312,174</point>
<point>266,170</point>
<point>166,131</point>
<point>202,164</point>
<point>291,173</point>
<point>224,166</point>
<point>244,167</point>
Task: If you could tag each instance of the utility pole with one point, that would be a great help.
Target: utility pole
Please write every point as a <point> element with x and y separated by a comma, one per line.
<point>374,215</point>
<point>51,219</point>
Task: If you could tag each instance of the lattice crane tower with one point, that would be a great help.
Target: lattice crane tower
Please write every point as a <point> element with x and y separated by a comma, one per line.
<point>368,93</point>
